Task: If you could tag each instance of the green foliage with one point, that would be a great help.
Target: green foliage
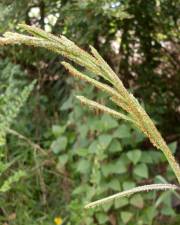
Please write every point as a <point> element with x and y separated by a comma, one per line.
<point>11,99</point>
<point>101,162</point>
<point>143,49</point>
<point>6,186</point>
<point>96,65</point>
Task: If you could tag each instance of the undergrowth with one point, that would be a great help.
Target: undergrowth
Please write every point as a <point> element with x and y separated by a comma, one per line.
<point>103,173</point>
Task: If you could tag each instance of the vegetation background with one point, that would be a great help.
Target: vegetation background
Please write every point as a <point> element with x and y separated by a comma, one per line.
<point>58,155</point>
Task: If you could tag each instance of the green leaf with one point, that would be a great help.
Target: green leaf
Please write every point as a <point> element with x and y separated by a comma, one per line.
<point>126,217</point>
<point>62,160</point>
<point>115,146</point>
<point>104,140</point>
<point>83,152</point>
<point>119,203</point>
<point>165,198</point>
<point>83,130</point>
<point>102,218</point>
<point>157,156</point>
<point>168,211</point>
<point>141,170</point>
<point>58,130</point>
<point>90,192</point>
<point>146,157</point>
<point>134,156</point>
<point>107,169</point>
<point>117,167</point>
<point>96,178</point>
<point>137,201</point>
<point>173,146</point>
<point>138,136</point>
<point>107,206</point>
<point>83,166</point>
<point>109,122</point>
<point>122,132</point>
<point>94,147</point>
<point>128,185</point>
<point>114,184</point>
<point>150,213</point>
<point>68,104</point>
<point>80,189</point>
<point>59,145</point>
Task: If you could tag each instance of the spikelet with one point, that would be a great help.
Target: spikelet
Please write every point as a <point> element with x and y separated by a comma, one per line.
<point>99,85</point>
<point>95,105</point>
<point>132,191</point>
<point>110,73</point>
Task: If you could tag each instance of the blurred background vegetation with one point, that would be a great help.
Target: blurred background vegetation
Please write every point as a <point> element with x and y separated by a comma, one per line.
<point>67,156</point>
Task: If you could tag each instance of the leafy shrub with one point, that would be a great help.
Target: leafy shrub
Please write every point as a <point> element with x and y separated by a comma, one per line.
<point>103,156</point>
<point>12,98</point>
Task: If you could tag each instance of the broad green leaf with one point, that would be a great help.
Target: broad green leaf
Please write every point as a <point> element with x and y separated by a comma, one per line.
<point>114,184</point>
<point>134,156</point>
<point>137,201</point>
<point>121,202</point>
<point>94,147</point>
<point>109,122</point>
<point>102,218</point>
<point>168,211</point>
<point>83,152</point>
<point>58,130</point>
<point>117,167</point>
<point>67,104</point>
<point>138,136</point>
<point>141,170</point>
<point>165,197</point>
<point>173,146</point>
<point>156,156</point>
<point>107,169</point>
<point>122,132</point>
<point>128,185</point>
<point>150,213</point>
<point>83,166</point>
<point>96,178</point>
<point>90,192</point>
<point>59,145</point>
<point>146,157</point>
<point>62,160</point>
<point>115,146</point>
<point>126,216</point>
<point>80,189</point>
<point>107,206</point>
<point>99,125</point>
<point>104,140</point>
<point>83,130</point>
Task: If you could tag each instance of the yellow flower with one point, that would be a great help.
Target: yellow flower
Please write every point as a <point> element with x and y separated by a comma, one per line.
<point>58,220</point>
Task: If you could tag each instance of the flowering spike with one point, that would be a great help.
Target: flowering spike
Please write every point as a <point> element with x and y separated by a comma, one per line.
<point>132,191</point>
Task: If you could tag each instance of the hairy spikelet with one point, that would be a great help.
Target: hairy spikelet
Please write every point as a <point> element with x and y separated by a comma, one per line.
<point>96,106</point>
<point>133,191</point>
<point>99,85</point>
<point>110,73</point>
